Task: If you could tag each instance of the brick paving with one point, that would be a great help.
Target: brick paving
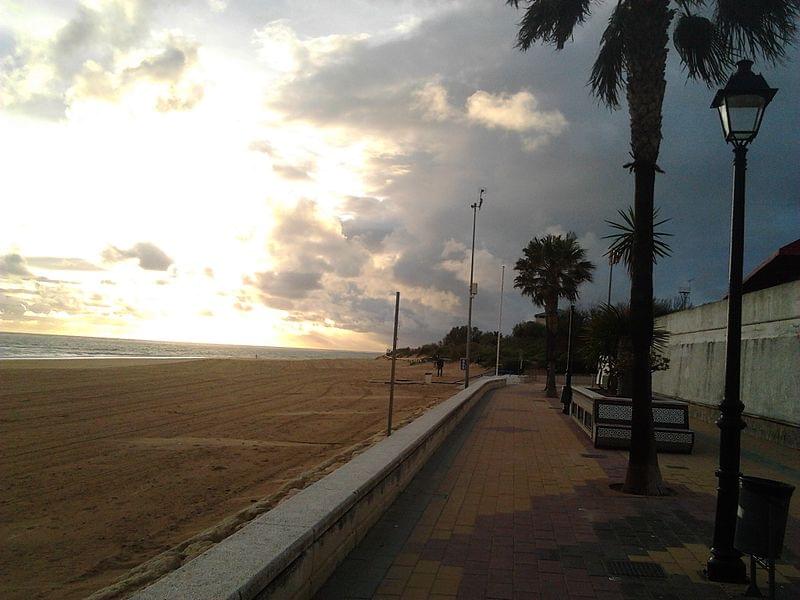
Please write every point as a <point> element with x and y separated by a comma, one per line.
<point>517,504</point>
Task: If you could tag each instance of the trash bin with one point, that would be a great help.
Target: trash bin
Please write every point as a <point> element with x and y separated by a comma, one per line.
<point>429,377</point>
<point>761,517</point>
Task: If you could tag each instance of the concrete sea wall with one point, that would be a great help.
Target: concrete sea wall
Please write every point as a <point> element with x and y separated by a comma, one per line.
<point>289,552</point>
<point>770,360</point>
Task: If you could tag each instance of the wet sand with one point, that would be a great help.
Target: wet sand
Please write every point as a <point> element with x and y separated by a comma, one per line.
<point>108,463</point>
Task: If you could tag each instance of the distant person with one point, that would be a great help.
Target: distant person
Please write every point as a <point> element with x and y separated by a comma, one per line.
<point>439,366</point>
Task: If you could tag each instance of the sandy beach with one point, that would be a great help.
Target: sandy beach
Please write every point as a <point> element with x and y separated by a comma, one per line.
<point>109,463</point>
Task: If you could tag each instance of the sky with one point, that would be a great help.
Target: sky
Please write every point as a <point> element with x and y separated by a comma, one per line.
<point>270,173</point>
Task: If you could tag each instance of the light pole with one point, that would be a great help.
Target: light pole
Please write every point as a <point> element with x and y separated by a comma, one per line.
<point>613,258</point>
<point>475,206</point>
<point>741,105</point>
<point>394,362</point>
<point>566,391</point>
<point>499,321</point>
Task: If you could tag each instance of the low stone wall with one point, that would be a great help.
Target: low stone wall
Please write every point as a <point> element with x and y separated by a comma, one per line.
<point>775,431</point>
<point>770,359</point>
<point>289,552</point>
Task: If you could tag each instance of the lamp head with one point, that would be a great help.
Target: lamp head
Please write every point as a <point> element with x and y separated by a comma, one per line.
<point>741,104</point>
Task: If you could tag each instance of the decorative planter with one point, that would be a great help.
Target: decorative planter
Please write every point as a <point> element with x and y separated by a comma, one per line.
<point>607,421</point>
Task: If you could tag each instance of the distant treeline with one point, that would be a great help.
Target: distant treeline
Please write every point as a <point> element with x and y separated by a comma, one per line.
<point>525,345</point>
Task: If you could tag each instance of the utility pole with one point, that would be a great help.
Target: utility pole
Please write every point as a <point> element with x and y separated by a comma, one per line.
<point>613,258</point>
<point>394,361</point>
<point>475,208</point>
<point>499,321</point>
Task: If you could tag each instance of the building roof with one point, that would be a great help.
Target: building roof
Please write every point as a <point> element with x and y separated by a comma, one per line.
<point>781,267</point>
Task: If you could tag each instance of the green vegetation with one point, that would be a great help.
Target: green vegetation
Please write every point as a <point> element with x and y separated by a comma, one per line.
<point>552,268</point>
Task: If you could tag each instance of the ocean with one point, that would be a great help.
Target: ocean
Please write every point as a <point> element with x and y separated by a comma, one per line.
<point>31,345</point>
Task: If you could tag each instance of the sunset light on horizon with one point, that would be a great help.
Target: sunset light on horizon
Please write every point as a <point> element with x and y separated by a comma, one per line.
<point>269,173</point>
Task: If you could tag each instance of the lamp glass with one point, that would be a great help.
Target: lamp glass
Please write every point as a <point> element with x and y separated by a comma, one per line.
<point>741,116</point>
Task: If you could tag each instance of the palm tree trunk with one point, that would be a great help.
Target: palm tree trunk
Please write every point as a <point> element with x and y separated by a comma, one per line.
<point>551,317</point>
<point>646,43</point>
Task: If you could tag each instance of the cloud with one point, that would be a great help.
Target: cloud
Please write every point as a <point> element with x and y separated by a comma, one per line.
<point>14,265</point>
<point>517,112</point>
<point>101,53</point>
<point>281,50</point>
<point>305,240</point>
<point>262,146</point>
<point>150,256</point>
<point>167,64</point>
<point>58,263</point>
<point>433,101</point>
<point>288,284</point>
<point>11,309</point>
<point>293,172</point>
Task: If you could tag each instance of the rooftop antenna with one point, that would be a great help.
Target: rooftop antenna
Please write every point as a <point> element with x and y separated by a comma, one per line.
<point>684,291</point>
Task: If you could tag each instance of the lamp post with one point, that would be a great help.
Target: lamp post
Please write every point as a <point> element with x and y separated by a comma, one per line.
<point>613,258</point>
<point>475,206</point>
<point>741,105</point>
<point>566,391</point>
<point>499,321</point>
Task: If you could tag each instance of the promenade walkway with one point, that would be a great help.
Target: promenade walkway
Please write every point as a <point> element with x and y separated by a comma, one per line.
<point>517,504</point>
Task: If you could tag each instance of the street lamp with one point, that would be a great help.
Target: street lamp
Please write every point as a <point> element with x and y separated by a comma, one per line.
<point>566,391</point>
<point>741,105</point>
<point>473,290</point>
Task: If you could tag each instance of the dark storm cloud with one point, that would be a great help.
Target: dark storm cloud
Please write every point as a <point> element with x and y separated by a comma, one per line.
<point>369,220</point>
<point>571,181</point>
<point>150,256</point>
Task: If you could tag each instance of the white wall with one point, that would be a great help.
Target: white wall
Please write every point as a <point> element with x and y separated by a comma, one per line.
<point>770,353</point>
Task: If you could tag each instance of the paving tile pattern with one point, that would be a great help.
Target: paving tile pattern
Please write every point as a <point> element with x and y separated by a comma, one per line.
<point>517,504</point>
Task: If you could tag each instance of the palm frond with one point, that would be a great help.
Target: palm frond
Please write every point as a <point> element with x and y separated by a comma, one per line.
<point>607,76</point>
<point>549,21</point>
<point>702,48</point>
<point>622,244</point>
<point>762,28</point>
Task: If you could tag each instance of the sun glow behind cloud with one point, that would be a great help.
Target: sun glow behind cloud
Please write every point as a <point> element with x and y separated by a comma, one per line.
<point>201,183</point>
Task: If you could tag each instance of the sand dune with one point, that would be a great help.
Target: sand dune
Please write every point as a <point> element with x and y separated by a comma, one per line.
<point>105,468</point>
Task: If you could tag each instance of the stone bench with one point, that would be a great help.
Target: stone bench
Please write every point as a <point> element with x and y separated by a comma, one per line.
<point>607,421</point>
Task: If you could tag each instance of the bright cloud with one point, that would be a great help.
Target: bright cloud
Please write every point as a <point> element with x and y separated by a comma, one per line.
<point>516,112</point>
<point>103,52</point>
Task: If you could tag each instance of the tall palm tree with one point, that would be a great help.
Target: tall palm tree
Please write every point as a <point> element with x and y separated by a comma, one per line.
<point>709,35</point>
<point>552,267</point>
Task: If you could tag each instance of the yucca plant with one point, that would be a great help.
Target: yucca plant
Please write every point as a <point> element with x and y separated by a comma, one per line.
<point>621,246</point>
<point>607,336</point>
<point>709,36</point>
